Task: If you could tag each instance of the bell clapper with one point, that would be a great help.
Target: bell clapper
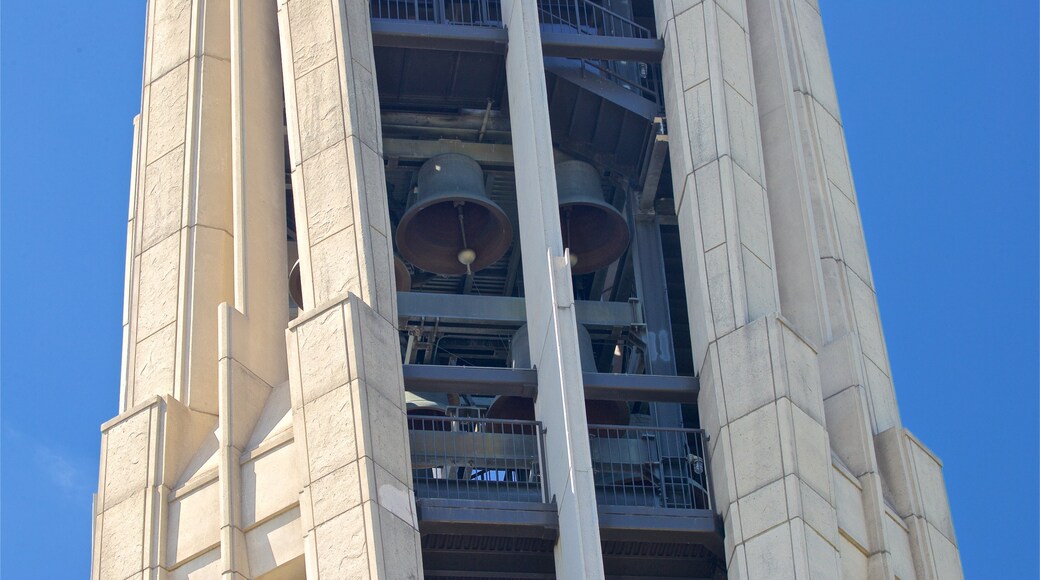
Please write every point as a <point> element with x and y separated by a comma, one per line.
<point>466,255</point>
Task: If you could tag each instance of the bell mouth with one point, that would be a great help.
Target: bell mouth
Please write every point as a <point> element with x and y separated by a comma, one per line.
<point>595,235</point>
<point>429,235</point>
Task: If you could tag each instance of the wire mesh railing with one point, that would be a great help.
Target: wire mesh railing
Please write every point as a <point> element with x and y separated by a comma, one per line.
<point>486,13</point>
<point>479,459</point>
<point>650,467</point>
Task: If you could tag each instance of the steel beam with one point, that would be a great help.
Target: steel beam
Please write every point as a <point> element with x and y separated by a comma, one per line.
<point>524,383</point>
<point>507,310</point>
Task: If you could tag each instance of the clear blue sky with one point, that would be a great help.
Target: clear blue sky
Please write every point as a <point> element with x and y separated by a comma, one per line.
<point>939,100</point>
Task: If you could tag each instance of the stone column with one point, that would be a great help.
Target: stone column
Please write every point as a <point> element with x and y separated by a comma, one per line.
<point>252,331</point>
<point>179,269</point>
<point>549,299</point>
<point>180,246</point>
<point>346,385</point>
<point>760,399</point>
<point>805,152</point>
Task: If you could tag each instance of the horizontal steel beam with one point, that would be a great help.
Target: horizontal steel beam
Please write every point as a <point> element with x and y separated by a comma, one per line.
<point>602,47</point>
<point>424,35</point>
<point>507,310</point>
<point>524,383</point>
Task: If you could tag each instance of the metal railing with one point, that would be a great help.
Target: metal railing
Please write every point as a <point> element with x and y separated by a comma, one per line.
<point>585,17</point>
<point>477,459</point>
<point>650,467</point>
<point>503,460</point>
<point>486,13</point>
<point>643,79</point>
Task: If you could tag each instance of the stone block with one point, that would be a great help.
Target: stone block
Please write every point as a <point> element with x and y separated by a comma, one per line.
<point>363,111</point>
<point>735,9</point>
<point>817,511</point>
<point>126,458</point>
<point>934,500</point>
<point>336,267</point>
<point>319,109</point>
<point>736,67</point>
<point>853,561</point>
<point>848,498</point>
<point>359,33</point>
<point>751,215</point>
<point>323,354</point>
<point>800,374</point>
<point>822,556</point>
<point>335,493</point>
<point>723,482</point>
<point>809,450</point>
<point>755,442</point>
<point>265,488</point>
<point>709,202</point>
<point>944,553</point>
<point>747,377</point>
<point>763,509</point>
<point>170,34</point>
<point>851,436</point>
<point>882,398</point>
<point>395,496</point>
<point>700,123</point>
<point>342,546</point>
<point>201,567</point>
<point>276,543</point>
<point>759,285</point>
<point>380,349</point>
<point>389,444</point>
<point>330,432</point>
<point>720,290</point>
<point>157,292</point>
<point>850,234</point>
<point>762,555</point>
<point>166,123</point>
<point>122,537</point>
<point>864,305</point>
<point>399,540</point>
<point>839,368</point>
<point>898,541</point>
<point>692,45</point>
<point>329,197</point>
<point>817,62</point>
<point>832,145</point>
<point>194,523</point>
<point>711,403</point>
<point>313,35</point>
<point>161,202</point>
<point>743,134</point>
<point>154,362</point>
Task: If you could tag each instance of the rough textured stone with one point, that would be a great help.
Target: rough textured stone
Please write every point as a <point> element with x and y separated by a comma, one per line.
<point>163,194</point>
<point>329,199</point>
<point>746,370</point>
<point>171,32</point>
<point>336,493</point>
<point>336,266</point>
<point>126,458</point>
<point>342,546</point>
<point>330,432</point>
<point>701,123</point>
<point>709,201</point>
<point>313,34</point>
<point>736,67</point>
<point>167,112</point>
<point>323,354</point>
<point>157,293</point>
<point>122,538</point>
<point>693,51</point>
<point>320,109</point>
<point>154,363</point>
<point>756,449</point>
<point>763,555</point>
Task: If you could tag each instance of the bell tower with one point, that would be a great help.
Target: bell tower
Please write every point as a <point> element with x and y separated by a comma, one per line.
<point>502,289</point>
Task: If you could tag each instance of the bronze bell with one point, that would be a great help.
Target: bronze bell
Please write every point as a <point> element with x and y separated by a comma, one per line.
<point>595,232</point>
<point>402,278</point>
<point>453,227</point>
<point>597,411</point>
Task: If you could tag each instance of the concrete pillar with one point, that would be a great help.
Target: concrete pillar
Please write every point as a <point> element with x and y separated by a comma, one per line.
<point>357,507</point>
<point>813,201</point>
<point>252,332</point>
<point>179,269</point>
<point>549,298</point>
<point>760,401</point>
<point>180,246</point>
